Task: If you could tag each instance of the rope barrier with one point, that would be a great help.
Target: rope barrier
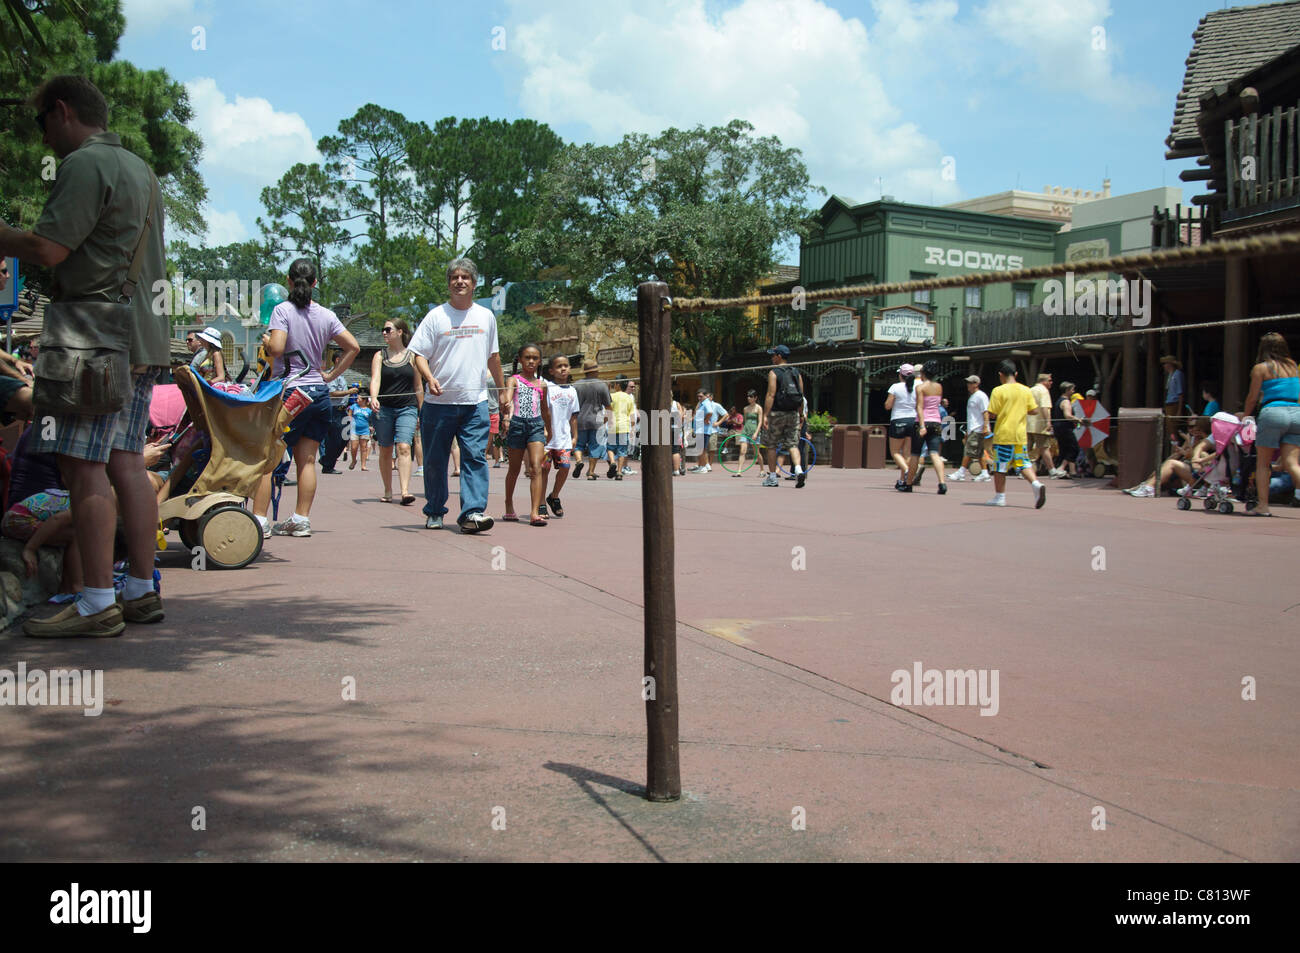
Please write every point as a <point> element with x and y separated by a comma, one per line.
<point>1210,251</point>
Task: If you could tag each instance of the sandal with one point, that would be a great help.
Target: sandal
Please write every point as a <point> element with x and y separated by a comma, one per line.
<point>537,522</point>
<point>408,499</point>
<point>510,517</point>
<point>386,499</point>
<point>556,509</point>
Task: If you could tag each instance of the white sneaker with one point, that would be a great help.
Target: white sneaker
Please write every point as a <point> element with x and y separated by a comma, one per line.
<point>265,523</point>
<point>960,476</point>
<point>697,469</point>
<point>771,480</point>
<point>295,525</point>
<point>999,500</point>
<point>983,477</point>
<point>419,471</point>
<point>627,471</point>
<point>708,469</point>
<point>1142,492</point>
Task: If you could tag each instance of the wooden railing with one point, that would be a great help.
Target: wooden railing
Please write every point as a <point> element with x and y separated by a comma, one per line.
<point>1263,162</point>
<point>1027,324</point>
<point>1181,227</point>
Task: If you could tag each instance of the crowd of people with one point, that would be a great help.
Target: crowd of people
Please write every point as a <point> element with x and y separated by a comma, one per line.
<point>437,398</point>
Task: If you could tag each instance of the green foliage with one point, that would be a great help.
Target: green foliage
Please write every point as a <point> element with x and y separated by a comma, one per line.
<point>307,214</point>
<point>369,155</point>
<point>820,423</point>
<point>146,108</point>
<point>701,209</point>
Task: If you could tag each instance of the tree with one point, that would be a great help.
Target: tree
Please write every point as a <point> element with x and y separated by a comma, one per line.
<point>248,261</point>
<point>701,209</point>
<point>443,160</point>
<point>146,108</point>
<point>505,193</point>
<point>306,214</point>
<point>371,149</point>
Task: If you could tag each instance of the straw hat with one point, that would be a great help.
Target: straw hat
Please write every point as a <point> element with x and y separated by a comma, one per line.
<point>1170,359</point>
<point>589,366</point>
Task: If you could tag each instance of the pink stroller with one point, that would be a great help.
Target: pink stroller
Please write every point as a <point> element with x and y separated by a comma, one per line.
<point>1233,463</point>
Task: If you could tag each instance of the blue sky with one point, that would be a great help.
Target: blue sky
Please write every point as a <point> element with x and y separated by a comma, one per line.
<point>1019,93</point>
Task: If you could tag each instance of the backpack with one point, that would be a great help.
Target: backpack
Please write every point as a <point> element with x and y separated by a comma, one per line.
<point>789,389</point>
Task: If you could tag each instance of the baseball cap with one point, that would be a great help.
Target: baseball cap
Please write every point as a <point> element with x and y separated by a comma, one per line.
<point>779,349</point>
<point>973,379</point>
<point>907,370</point>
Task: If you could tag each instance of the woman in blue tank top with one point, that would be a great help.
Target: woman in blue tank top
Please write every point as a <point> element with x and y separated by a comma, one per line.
<point>1275,387</point>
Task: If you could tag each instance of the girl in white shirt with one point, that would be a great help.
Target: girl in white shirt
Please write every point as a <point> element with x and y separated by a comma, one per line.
<point>562,398</point>
<point>904,440</point>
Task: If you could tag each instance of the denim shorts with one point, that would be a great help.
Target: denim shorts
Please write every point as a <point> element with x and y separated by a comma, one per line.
<point>589,444</point>
<point>313,421</point>
<point>524,431</point>
<point>396,425</point>
<point>933,439</point>
<point>619,444</point>
<point>1276,424</point>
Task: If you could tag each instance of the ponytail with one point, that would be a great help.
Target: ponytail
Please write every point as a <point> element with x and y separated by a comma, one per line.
<point>302,275</point>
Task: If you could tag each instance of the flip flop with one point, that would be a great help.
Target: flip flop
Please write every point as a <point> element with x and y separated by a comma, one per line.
<point>1258,513</point>
<point>510,518</point>
<point>537,522</point>
<point>385,499</point>
<point>408,500</point>
<point>556,509</point>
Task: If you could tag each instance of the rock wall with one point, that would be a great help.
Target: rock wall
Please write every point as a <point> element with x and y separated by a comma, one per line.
<point>18,592</point>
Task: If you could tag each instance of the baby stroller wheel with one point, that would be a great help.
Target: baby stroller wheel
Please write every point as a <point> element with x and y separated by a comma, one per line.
<point>1210,505</point>
<point>1250,505</point>
<point>1225,507</point>
<point>189,533</point>
<point>1184,503</point>
<point>231,536</point>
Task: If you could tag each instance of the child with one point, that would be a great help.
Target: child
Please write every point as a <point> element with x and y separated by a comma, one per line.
<point>360,443</point>
<point>527,420</point>
<point>562,399</point>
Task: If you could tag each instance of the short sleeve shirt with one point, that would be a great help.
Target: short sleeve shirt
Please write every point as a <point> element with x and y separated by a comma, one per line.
<point>593,398</point>
<point>1042,398</point>
<point>1174,392</point>
<point>624,406</point>
<point>96,210</point>
<point>1011,403</point>
<point>307,332</point>
<point>457,344</point>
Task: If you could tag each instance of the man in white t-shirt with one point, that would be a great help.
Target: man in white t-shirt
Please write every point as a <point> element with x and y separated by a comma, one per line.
<point>453,346</point>
<point>976,447</point>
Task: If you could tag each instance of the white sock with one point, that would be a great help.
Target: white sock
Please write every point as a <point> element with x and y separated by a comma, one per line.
<point>135,588</point>
<point>93,601</point>
<point>999,496</point>
<point>798,470</point>
<point>1036,484</point>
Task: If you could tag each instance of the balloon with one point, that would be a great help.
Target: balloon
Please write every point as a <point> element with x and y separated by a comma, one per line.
<point>271,296</point>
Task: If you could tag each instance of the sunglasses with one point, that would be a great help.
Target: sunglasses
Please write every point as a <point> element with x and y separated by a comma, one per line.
<point>389,330</point>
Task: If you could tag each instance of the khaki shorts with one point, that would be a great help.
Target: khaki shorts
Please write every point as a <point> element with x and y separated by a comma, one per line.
<point>1037,443</point>
<point>976,444</point>
<point>782,430</point>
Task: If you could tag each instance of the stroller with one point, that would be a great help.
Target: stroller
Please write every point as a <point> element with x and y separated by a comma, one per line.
<point>245,443</point>
<point>1233,464</point>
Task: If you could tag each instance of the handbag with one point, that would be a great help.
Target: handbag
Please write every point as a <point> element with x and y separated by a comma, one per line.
<point>84,366</point>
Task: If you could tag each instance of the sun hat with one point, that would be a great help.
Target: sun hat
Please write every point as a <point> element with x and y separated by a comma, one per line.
<point>211,335</point>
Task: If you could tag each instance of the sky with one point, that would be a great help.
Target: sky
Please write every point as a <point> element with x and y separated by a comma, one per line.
<point>930,101</point>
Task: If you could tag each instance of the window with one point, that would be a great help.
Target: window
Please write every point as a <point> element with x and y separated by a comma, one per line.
<point>974,299</point>
<point>922,297</point>
<point>228,348</point>
<point>1023,296</point>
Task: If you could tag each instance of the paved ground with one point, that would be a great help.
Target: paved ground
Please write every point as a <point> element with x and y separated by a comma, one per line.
<point>515,693</point>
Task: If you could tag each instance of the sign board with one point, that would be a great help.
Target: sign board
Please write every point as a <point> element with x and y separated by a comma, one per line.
<point>614,355</point>
<point>836,323</point>
<point>1085,251</point>
<point>904,323</point>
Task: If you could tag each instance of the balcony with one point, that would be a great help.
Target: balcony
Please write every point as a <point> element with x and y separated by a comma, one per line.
<point>1181,227</point>
<point>1028,324</point>
<point>1260,155</point>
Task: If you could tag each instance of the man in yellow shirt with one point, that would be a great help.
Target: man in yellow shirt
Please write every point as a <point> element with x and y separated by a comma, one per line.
<point>620,431</point>
<point>1012,403</point>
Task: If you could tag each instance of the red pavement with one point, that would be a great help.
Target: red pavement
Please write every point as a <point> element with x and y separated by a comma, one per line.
<point>519,688</point>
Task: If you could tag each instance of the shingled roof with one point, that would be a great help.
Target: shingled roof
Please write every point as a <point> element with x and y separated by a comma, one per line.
<point>1225,45</point>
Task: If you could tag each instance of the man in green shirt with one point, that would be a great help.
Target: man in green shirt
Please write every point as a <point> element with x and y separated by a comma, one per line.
<point>86,233</point>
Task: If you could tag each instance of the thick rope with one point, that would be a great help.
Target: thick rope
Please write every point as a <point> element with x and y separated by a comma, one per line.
<point>1228,248</point>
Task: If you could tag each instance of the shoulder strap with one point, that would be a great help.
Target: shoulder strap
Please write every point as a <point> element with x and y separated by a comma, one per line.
<point>133,272</point>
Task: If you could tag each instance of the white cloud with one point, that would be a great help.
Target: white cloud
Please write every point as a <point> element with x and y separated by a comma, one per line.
<point>146,16</point>
<point>224,228</point>
<point>1065,44</point>
<point>248,136</point>
<point>796,69</point>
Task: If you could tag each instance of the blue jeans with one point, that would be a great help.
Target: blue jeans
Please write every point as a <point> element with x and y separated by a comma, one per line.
<point>439,425</point>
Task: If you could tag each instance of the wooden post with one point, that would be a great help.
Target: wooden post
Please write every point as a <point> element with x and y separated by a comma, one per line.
<point>663,767</point>
<point>1234,335</point>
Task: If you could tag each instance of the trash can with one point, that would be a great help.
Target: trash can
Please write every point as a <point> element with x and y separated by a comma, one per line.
<point>837,445</point>
<point>875,447</point>
<point>853,448</point>
<point>1137,444</point>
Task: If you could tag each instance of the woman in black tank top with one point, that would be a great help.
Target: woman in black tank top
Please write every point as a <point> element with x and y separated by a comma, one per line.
<point>393,392</point>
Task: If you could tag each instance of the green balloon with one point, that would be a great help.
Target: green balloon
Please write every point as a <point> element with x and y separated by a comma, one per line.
<point>271,296</point>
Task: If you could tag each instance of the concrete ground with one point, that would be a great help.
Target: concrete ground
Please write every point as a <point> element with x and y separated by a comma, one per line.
<point>498,711</point>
